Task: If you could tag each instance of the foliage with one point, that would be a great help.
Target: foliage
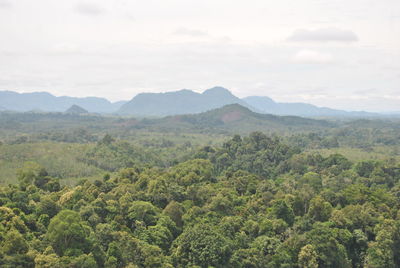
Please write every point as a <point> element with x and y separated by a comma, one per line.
<point>254,201</point>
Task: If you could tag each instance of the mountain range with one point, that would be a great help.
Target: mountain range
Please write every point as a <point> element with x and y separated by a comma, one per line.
<point>164,104</point>
<point>179,102</point>
<point>46,102</point>
<point>267,105</point>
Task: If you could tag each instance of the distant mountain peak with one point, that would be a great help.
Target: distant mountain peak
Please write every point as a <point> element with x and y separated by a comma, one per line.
<point>217,91</point>
<point>75,109</point>
<point>234,107</point>
<point>265,98</point>
<point>185,91</point>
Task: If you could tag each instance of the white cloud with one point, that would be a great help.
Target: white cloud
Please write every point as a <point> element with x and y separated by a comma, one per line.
<point>65,48</point>
<point>323,35</point>
<point>92,48</point>
<point>90,9</point>
<point>5,4</point>
<point>190,32</point>
<point>312,57</point>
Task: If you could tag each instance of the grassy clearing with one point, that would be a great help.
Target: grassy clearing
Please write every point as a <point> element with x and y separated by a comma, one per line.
<point>59,159</point>
<point>146,138</point>
<point>357,154</point>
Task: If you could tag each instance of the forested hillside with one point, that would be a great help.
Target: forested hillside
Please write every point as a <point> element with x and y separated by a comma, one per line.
<point>254,201</point>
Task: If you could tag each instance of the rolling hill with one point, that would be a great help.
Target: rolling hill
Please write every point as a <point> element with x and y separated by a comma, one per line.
<point>232,118</point>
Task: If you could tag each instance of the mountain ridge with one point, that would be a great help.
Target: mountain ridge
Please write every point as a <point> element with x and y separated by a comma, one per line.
<point>44,101</point>
<point>183,101</point>
<point>179,102</point>
<point>267,105</point>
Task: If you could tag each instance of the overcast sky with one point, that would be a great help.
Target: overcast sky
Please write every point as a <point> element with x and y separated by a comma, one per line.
<point>336,53</point>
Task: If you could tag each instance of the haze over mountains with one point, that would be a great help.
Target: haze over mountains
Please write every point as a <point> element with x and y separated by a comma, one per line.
<point>165,104</point>
<point>46,102</point>
<point>267,105</point>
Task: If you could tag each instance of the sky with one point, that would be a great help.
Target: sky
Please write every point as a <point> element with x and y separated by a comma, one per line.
<point>342,54</point>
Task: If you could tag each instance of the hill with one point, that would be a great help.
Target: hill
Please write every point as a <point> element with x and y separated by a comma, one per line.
<point>43,101</point>
<point>75,109</point>
<point>267,105</point>
<point>232,118</point>
<point>179,102</point>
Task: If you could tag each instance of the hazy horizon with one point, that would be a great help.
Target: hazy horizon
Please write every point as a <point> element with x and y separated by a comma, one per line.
<point>337,54</point>
<point>201,91</point>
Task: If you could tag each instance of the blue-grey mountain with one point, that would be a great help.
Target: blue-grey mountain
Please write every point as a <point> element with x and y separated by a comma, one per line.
<point>268,106</point>
<point>43,101</point>
<point>179,102</point>
<point>165,104</point>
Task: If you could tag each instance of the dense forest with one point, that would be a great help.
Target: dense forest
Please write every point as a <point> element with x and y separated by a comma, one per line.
<point>112,192</point>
